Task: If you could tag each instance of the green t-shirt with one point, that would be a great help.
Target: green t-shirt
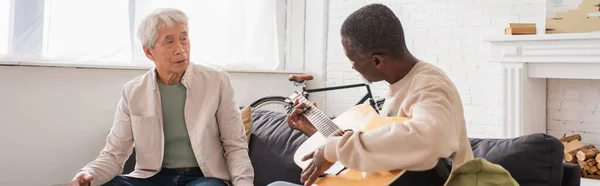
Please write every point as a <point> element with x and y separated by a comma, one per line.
<point>178,149</point>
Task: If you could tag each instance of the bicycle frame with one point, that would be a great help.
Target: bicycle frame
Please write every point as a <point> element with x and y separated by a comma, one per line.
<point>362,100</point>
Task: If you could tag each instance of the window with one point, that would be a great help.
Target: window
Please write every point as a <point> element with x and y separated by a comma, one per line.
<point>231,34</point>
<point>4,25</point>
<point>87,33</point>
<point>236,34</point>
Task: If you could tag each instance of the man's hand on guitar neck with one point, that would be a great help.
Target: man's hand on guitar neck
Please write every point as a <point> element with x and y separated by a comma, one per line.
<point>316,167</point>
<point>296,119</point>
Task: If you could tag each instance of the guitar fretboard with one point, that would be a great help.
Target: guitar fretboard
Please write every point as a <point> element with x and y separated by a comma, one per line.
<point>323,123</point>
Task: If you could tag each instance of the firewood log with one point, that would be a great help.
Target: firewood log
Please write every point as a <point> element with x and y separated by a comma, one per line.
<point>570,156</point>
<point>583,165</point>
<point>593,170</point>
<point>597,157</point>
<point>591,162</point>
<point>584,173</point>
<point>598,165</point>
<point>587,153</point>
<point>570,138</point>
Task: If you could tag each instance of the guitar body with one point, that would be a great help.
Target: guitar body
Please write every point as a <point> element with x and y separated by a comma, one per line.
<point>358,118</point>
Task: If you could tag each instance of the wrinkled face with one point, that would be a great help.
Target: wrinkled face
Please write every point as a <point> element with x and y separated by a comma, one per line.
<point>369,68</point>
<point>171,50</point>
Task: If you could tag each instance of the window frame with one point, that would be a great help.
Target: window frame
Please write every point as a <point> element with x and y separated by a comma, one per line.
<point>290,24</point>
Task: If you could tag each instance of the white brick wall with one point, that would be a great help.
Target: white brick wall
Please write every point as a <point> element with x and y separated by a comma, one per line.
<point>448,33</point>
<point>574,107</point>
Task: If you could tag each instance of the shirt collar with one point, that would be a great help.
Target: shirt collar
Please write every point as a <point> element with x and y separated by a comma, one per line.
<point>186,80</point>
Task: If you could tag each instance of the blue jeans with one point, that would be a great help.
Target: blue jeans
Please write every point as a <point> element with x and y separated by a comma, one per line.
<point>282,183</point>
<point>168,177</point>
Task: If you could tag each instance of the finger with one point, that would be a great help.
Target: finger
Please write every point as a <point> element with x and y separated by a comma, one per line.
<point>76,180</point>
<point>298,110</point>
<point>306,168</point>
<point>74,183</point>
<point>313,176</point>
<point>88,177</point>
<point>296,114</point>
<point>307,172</point>
<point>308,156</point>
<point>82,181</point>
<point>290,122</point>
<point>302,106</point>
<point>315,103</point>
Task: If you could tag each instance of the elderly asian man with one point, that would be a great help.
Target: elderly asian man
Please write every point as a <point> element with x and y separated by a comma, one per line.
<point>180,117</point>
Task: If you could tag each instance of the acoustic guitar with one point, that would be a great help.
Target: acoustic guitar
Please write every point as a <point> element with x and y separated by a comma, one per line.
<point>358,118</point>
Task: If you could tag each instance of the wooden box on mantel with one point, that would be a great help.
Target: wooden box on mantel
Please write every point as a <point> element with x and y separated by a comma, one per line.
<point>520,29</point>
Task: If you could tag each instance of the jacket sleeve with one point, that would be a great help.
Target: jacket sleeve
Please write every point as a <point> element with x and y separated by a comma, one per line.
<point>119,144</point>
<point>232,135</point>
<point>414,145</point>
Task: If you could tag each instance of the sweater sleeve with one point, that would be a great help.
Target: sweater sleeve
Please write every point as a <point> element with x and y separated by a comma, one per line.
<point>414,145</point>
<point>232,135</point>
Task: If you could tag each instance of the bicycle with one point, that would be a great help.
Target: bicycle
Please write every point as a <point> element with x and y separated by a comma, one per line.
<point>299,81</point>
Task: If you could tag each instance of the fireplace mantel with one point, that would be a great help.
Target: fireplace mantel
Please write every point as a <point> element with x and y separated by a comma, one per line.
<point>527,61</point>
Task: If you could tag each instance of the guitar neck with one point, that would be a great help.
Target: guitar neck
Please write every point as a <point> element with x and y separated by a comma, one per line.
<point>323,123</point>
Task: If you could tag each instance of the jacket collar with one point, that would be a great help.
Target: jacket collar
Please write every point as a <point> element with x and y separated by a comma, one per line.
<point>186,80</point>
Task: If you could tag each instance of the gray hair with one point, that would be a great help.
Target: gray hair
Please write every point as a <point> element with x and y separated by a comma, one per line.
<point>374,29</point>
<point>148,30</point>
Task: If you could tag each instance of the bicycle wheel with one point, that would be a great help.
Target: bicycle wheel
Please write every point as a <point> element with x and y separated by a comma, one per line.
<point>272,103</point>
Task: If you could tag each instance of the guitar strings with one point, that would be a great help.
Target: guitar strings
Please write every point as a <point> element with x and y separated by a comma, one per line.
<point>323,123</point>
<point>319,119</point>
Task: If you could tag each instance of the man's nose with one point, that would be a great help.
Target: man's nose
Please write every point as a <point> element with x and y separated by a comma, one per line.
<point>179,48</point>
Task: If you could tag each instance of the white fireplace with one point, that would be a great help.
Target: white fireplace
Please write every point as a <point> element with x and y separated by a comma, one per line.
<point>527,61</point>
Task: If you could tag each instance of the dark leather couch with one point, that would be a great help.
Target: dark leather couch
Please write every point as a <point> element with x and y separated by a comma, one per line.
<point>532,160</point>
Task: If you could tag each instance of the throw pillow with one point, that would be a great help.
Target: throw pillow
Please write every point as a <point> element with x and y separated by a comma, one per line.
<point>247,122</point>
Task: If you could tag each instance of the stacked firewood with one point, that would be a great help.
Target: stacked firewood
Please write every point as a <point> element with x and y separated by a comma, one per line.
<point>587,156</point>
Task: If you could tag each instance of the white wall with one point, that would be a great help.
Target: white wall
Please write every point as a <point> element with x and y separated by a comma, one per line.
<point>449,33</point>
<point>55,120</point>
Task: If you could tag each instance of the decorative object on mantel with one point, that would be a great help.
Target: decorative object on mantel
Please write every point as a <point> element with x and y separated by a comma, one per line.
<point>572,16</point>
<point>587,156</point>
<point>520,29</point>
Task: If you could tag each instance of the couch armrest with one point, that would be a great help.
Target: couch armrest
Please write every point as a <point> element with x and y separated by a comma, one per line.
<point>571,174</point>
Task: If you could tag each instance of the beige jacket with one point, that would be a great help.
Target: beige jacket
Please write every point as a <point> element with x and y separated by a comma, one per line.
<point>212,117</point>
<point>436,129</point>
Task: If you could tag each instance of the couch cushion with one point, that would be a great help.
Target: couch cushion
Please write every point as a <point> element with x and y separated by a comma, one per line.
<point>532,160</point>
<point>272,147</point>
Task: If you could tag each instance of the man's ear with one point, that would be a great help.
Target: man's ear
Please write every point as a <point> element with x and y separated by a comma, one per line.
<point>378,61</point>
<point>148,53</point>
